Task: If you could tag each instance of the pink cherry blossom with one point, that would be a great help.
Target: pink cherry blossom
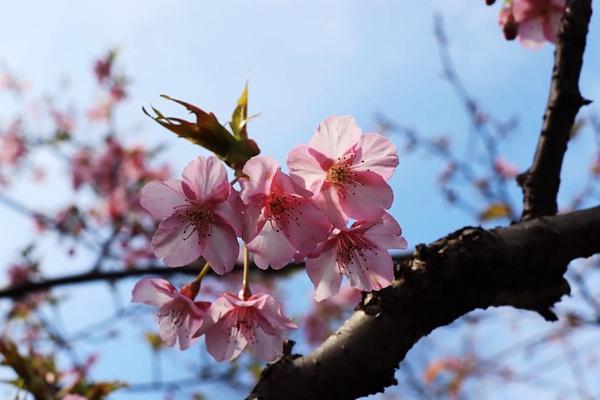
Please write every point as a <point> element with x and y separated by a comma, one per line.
<point>538,20</point>
<point>317,323</point>
<point>74,397</point>
<point>179,317</point>
<point>231,324</point>
<point>280,217</point>
<point>505,169</point>
<point>201,216</point>
<point>12,144</point>
<point>346,170</point>
<point>360,253</point>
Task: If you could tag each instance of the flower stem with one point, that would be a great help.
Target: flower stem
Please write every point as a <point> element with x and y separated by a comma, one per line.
<point>245,292</point>
<point>192,288</point>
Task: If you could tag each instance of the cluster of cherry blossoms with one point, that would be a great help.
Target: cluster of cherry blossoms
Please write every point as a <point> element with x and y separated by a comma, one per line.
<point>533,21</point>
<point>330,210</point>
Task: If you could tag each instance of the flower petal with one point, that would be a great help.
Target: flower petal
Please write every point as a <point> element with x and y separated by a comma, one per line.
<point>270,247</point>
<point>231,211</point>
<point>222,247</point>
<point>161,199</point>
<point>260,171</point>
<point>373,273</point>
<point>208,178</point>
<point>335,136</point>
<point>377,154</point>
<point>387,234</point>
<point>366,198</point>
<point>305,226</point>
<point>153,291</point>
<point>176,243</point>
<point>305,169</point>
<point>264,346</point>
<point>323,272</point>
<point>531,33</point>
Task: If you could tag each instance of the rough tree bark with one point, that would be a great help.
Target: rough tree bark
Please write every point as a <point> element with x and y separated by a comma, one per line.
<point>521,265</point>
<point>541,181</point>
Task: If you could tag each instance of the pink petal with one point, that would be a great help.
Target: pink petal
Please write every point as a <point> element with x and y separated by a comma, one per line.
<point>260,171</point>
<point>174,243</point>
<point>387,234</point>
<point>224,343</point>
<point>270,311</point>
<point>366,199</point>
<point>282,183</point>
<point>170,317</point>
<point>231,211</point>
<point>208,178</point>
<point>264,346</point>
<point>531,33</point>
<point>184,334</point>
<point>323,272</point>
<point>311,227</point>
<point>305,169</point>
<point>222,247</point>
<point>377,154</point>
<point>153,291</point>
<point>335,136</point>
<point>254,220</point>
<point>271,247</point>
<point>328,201</point>
<point>375,273</point>
<point>162,198</point>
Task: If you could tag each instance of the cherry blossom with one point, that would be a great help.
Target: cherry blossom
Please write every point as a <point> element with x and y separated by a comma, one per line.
<point>12,144</point>
<point>359,252</point>
<point>505,169</point>
<point>179,317</point>
<point>201,216</point>
<point>346,170</point>
<point>231,324</point>
<point>537,21</point>
<point>280,218</point>
<point>74,397</point>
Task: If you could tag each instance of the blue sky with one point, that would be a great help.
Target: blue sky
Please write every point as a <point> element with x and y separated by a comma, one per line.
<point>305,60</point>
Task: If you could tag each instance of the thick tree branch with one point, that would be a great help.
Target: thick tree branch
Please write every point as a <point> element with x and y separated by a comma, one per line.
<point>521,265</point>
<point>541,181</point>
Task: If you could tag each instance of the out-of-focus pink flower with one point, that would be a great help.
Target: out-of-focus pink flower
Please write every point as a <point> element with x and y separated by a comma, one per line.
<point>505,169</point>
<point>280,218</point>
<point>64,122</point>
<point>12,83</point>
<point>74,397</point>
<point>346,170</point>
<point>103,67</point>
<point>101,110</point>
<point>21,273</point>
<point>179,317</point>
<point>360,253</point>
<point>12,144</point>
<point>538,21</point>
<point>201,216</point>
<point>317,324</point>
<point>117,92</point>
<point>231,324</point>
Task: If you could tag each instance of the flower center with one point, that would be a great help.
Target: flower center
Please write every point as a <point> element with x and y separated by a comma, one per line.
<point>353,248</point>
<point>283,211</point>
<point>340,174</point>
<point>198,217</point>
